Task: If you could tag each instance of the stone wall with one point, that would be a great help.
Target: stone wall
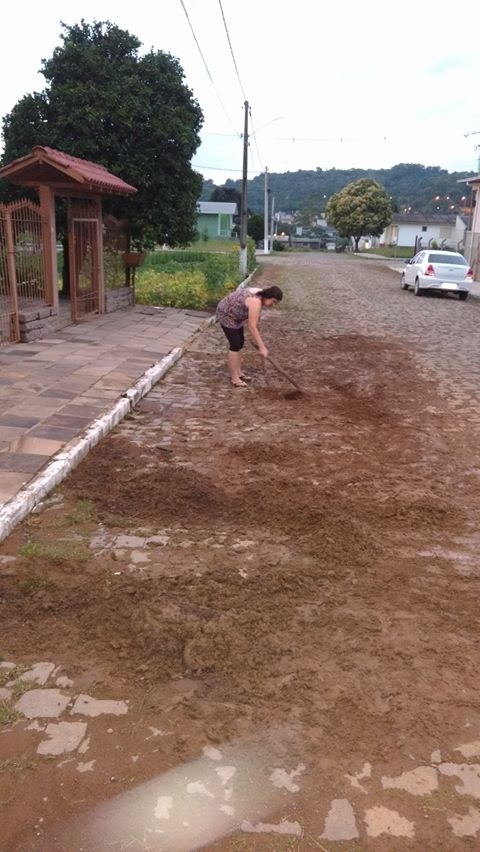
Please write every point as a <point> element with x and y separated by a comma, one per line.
<point>37,322</point>
<point>120,297</point>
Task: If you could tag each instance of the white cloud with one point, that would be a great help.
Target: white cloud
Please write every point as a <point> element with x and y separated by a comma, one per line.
<point>337,85</point>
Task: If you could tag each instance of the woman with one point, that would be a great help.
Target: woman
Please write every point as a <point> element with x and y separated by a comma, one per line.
<point>242,306</point>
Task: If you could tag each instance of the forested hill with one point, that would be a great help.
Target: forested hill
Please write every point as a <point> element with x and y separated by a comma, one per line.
<point>421,188</point>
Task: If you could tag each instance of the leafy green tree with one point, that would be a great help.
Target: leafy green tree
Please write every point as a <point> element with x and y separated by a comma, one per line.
<point>227,194</point>
<point>132,114</point>
<point>311,209</point>
<point>360,209</point>
<point>255,227</point>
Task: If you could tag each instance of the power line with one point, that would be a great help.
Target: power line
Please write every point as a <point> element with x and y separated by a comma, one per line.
<point>226,135</point>
<point>253,134</point>
<point>231,49</point>
<point>313,139</point>
<point>238,135</point>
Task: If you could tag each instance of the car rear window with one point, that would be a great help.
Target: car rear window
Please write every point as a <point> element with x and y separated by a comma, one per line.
<point>452,260</point>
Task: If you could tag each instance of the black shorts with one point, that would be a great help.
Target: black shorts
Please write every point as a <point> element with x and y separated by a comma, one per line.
<point>235,337</point>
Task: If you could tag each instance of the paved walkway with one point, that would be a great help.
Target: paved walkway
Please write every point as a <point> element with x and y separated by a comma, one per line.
<point>59,395</point>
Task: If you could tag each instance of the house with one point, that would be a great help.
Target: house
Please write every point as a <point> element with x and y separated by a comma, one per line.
<point>215,218</point>
<point>419,230</point>
<point>472,239</point>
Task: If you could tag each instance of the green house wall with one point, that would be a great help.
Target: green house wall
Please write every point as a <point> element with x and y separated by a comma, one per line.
<point>215,224</point>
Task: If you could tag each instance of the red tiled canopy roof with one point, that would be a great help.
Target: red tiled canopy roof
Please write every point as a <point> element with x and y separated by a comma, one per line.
<point>63,172</point>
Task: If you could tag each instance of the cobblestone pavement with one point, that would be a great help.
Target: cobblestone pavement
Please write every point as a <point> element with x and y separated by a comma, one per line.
<point>443,338</point>
<point>369,739</point>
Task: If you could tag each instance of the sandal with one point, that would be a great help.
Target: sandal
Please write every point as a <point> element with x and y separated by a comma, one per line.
<point>240,384</point>
<point>245,378</point>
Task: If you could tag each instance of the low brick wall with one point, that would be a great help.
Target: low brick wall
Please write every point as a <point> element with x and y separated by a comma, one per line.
<point>121,297</point>
<point>37,322</point>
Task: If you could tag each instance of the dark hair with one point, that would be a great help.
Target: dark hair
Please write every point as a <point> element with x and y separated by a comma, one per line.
<point>271,293</point>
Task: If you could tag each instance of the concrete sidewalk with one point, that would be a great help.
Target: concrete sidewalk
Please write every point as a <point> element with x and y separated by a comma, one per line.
<point>61,394</point>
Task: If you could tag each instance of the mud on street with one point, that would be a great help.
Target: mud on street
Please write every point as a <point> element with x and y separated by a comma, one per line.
<point>257,614</point>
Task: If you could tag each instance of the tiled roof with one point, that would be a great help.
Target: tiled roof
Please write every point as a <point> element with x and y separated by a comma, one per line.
<point>54,168</point>
<point>423,218</point>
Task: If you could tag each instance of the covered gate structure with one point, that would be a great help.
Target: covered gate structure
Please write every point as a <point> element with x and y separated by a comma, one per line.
<point>22,277</point>
<point>82,184</point>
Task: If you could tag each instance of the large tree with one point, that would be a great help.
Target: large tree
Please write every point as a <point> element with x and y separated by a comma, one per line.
<point>227,194</point>
<point>360,209</point>
<point>131,113</point>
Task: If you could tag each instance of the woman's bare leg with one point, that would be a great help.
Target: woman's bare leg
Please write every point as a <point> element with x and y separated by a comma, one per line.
<point>235,366</point>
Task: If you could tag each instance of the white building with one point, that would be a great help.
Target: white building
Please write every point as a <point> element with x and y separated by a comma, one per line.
<point>419,230</point>
<point>472,240</point>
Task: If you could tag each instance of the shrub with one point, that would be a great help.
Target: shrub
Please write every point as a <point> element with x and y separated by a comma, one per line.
<point>177,290</point>
<point>191,279</point>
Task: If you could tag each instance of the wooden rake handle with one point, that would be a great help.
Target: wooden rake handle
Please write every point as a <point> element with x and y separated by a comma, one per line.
<point>282,371</point>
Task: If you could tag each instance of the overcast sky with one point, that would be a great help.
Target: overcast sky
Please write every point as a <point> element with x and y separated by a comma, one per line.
<point>339,85</point>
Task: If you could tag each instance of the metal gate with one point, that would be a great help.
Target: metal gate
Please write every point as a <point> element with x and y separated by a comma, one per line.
<point>22,271</point>
<point>85,258</point>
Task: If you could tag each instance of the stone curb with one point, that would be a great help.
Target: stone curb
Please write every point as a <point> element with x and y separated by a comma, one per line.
<point>13,512</point>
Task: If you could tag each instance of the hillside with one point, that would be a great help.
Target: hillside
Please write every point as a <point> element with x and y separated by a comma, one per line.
<point>421,188</point>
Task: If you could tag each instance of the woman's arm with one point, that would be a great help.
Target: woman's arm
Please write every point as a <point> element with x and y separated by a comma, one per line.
<point>254,306</point>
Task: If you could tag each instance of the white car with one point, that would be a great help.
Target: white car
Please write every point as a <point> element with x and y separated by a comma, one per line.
<point>442,271</point>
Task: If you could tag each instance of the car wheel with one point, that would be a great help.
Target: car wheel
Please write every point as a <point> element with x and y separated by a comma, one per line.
<point>463,296</point>
<point>417,290</point>
<point>403,283</point>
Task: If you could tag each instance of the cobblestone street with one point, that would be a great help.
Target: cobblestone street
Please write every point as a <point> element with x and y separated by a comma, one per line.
<point>248,620</point>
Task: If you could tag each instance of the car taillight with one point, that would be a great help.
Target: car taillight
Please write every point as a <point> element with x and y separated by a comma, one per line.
<point>429,270</point>
<point>469,275</point>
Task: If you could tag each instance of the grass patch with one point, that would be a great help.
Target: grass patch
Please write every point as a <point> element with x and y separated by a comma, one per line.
<point>399,252</point>
<point>8,715</point>
<point>14,765</point>
<point>112,520</point>
<point>33,584</point>
<point>20,687</point>
<point>7,675</point>
<point>60,551</point>
<point>84,512</point>
<point>278,844</point>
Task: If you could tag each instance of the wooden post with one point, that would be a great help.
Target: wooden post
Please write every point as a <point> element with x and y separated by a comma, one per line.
<point>12,273</point>
<point>49,238</point>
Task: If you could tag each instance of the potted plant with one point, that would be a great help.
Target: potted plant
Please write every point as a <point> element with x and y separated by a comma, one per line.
<point>133,259</point>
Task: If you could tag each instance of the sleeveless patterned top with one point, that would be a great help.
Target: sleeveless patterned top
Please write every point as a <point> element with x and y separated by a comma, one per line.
<point>232,311</point>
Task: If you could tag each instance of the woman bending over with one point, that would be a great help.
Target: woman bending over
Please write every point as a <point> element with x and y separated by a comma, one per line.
<point>242,306</point>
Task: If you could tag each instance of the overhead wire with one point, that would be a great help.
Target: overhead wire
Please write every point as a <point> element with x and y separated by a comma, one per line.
<point>237,135</point>
<point>208,70</point>
<point>254,136</point>
<point>231,49</point>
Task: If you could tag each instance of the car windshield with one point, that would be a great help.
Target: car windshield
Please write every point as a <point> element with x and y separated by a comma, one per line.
<point>452,259</point>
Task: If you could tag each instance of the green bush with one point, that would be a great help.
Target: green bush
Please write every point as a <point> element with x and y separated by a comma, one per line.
<point>190,279</point>
<point>155,259</point>
<point>179,290</point>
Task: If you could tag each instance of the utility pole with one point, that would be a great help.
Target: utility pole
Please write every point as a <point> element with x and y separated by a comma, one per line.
<point>265,215</point>
<point>273,219</point>
<point>243,202</point>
